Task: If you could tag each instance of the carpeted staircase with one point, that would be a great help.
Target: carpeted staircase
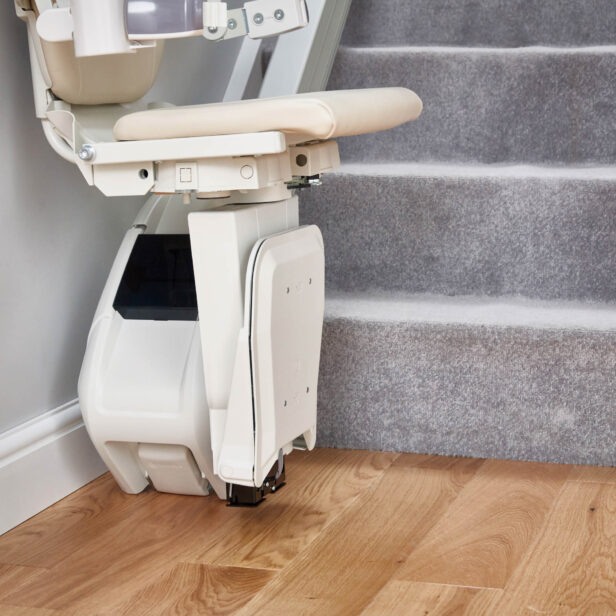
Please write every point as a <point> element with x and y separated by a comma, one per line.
<point>471,254</point>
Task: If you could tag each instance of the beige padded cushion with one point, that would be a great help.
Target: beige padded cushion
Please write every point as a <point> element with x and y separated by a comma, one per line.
<point>100,79</point>
<point>318,115</point>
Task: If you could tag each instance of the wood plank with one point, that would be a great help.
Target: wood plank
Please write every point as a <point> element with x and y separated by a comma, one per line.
<point>124,558</point>
<point>48,538</point>
<point>12,610</point>
<point>596,474</point>
<point>400,598</point>
<point>196,589</point>
<point>340,538</point>
<point>269,537</point>
<point>14,577</point>
<point>572,568</point>
<point>348,563</point>
<point>484,535</point>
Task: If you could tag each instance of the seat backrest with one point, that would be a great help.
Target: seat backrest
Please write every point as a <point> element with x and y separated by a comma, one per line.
<point>98,80</point>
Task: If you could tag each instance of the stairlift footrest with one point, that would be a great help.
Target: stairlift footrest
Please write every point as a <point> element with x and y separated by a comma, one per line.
<point>273,393</point>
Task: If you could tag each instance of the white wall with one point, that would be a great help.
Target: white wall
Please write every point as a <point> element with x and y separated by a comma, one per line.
<point>57,240</point>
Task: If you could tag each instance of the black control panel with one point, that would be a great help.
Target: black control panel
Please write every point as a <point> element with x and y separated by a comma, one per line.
<point>159,281</point>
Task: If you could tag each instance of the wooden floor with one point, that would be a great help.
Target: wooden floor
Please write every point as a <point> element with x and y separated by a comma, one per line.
<point>352,532</point>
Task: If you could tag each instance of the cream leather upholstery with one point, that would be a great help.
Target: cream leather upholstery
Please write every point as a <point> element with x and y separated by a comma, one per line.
<point>99,80</point>
<point>318,115</point>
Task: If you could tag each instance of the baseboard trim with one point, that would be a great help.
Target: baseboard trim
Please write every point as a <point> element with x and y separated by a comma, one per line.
<point>42,461</point>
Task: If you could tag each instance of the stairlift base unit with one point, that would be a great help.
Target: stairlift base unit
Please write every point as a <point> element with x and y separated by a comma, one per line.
<point>192,405</point>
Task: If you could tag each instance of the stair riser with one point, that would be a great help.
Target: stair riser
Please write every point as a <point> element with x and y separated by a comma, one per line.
<point>496,23</point>
<point>470,391</point>
<point>485,106</point>
<point>541,238</point>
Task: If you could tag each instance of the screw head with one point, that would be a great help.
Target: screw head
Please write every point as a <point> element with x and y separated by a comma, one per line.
<point>212,30</point>
<point>232,24</point>
<point>258,18</point>
<point>278,14</point>
<point>86,152</point>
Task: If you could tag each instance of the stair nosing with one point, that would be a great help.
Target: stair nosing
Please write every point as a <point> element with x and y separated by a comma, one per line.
<point>457,49</point>
<point>476,170</point>
<point>474,311</point>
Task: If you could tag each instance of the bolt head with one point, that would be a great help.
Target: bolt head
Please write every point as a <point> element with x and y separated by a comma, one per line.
<point>278,14</point>
<point>232,24</point>
<point>258,18</point>
<point>86,152</point>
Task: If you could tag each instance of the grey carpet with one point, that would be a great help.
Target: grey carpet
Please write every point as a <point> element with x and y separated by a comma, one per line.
<point>503,190</point>
<point>532,106</point>
<point>411,228</point>
<point>496,23</point>
<point>471,390</point>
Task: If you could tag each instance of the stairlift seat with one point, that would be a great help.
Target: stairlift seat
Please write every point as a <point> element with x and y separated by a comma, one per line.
<point>317,115</point>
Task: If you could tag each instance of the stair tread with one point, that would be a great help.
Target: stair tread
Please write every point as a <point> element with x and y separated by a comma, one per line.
<point>471,310</point>
<point>528,105</point>
<point>454,169</point>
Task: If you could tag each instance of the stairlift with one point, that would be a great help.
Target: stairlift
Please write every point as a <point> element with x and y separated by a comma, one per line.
<point>201,367</point>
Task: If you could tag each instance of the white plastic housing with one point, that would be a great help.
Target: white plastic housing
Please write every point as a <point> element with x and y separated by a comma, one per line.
<point>254,350</point>
<point>222,240</point>
<point>141,382</point>
<point>99,27</point>
<point>55,25</point>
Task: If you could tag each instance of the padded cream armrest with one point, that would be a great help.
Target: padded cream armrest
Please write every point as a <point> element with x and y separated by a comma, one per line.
<point>318,115</point>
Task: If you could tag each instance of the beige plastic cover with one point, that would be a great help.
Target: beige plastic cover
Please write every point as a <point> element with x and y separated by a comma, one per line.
<point>99,80</point>
<point>317,115</point>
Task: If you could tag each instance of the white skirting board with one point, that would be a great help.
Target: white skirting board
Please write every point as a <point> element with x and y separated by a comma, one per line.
<point>42,461</point>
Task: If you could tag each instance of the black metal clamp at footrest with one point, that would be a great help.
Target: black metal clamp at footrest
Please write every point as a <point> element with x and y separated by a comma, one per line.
<point>251,496</point>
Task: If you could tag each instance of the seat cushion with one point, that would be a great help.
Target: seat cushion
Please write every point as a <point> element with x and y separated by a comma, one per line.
<point>317,115</point>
